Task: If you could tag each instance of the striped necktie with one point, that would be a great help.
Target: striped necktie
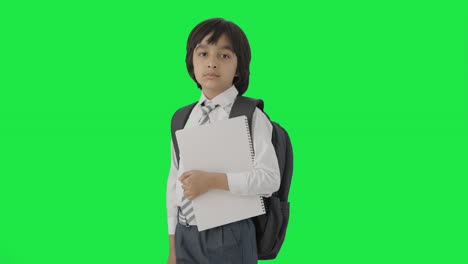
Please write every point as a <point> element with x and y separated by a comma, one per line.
<point>186,214</point>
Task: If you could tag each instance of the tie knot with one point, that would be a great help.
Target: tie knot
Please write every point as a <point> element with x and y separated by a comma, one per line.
<point>207,107</point>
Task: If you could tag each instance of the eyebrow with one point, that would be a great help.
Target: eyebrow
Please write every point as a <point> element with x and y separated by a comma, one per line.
<point>228,47</point>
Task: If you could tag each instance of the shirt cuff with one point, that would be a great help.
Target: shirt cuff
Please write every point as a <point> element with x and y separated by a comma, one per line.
<point>171,224</point>
<point>237,182</point>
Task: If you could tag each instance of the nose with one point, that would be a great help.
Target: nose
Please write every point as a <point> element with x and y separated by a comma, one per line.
<point>212,62</point>
<point>211,65</point>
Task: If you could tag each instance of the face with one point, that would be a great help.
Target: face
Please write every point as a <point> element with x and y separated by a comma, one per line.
<point>214,65</point>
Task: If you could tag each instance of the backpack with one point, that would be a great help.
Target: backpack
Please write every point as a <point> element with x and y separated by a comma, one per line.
<point>271,226</point>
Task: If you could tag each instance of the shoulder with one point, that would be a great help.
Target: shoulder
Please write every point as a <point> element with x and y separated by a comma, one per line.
<point>184,110</point>
<point>180,117</point>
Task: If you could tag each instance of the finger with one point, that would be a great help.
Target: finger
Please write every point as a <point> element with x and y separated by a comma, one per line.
<point>188,195</point>
<point>185,182</point>
<point>184,175</point>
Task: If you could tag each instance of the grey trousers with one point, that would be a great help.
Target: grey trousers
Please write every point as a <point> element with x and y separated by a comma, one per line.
<point>232,243</point>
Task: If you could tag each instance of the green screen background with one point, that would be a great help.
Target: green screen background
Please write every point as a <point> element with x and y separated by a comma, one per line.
<point>372,93</point>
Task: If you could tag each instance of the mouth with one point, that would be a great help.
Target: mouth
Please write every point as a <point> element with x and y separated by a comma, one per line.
<point>212,75</point>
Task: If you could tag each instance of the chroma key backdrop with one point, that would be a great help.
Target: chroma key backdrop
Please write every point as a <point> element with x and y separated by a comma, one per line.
<point>373,94</point>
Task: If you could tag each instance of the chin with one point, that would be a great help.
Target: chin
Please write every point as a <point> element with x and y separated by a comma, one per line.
<point>211,87</point>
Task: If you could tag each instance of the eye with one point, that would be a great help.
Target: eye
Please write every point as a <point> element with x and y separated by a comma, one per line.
<point>226,56</point>
<point>201,54</point>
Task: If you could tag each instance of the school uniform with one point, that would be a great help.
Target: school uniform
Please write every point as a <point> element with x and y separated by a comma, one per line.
<point>234,242</point>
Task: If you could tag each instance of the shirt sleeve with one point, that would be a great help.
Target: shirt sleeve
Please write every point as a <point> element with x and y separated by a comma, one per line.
<point>265,178</point>
<point>171,194</point>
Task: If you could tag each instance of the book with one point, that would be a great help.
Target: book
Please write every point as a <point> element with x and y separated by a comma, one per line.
<point>223,146</point>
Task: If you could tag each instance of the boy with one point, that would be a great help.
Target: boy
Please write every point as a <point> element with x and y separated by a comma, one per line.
<point>218,59</point>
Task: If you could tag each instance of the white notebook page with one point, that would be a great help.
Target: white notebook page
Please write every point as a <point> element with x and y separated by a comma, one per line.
<point>222,146</point>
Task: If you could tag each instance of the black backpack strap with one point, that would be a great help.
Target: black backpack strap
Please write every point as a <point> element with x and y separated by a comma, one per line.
<point>178,121</point>
<point>245,106</point>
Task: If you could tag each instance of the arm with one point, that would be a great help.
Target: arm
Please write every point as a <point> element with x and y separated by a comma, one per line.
<point>265,178</point>
<point>171,203</point>
<point>172,252</point>
<point>219,181</point>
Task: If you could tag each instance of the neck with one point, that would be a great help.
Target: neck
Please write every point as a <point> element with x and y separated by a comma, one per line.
<point>212,93</point>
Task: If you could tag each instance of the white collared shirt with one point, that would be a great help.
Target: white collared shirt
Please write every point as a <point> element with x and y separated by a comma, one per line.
<point>264,179</point>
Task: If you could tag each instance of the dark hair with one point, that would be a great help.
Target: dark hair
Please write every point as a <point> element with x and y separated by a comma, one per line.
<point>239,43</point>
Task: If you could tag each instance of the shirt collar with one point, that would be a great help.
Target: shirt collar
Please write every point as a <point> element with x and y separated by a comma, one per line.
<point>223,99</point>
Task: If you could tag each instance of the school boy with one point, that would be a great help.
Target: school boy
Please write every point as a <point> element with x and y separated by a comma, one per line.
<point>218,59</point>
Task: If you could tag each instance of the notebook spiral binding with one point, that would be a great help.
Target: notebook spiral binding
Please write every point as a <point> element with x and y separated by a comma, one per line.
<point>262,201</point>
<point>252,154</point>
<point>252,151</point>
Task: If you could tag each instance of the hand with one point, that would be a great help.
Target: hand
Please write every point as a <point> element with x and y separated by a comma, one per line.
<point>172,259</point>
<point>196,183</point>
<point>172,252</point>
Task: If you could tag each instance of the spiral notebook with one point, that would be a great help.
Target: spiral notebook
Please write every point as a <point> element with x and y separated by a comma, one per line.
<point>222,146</point>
